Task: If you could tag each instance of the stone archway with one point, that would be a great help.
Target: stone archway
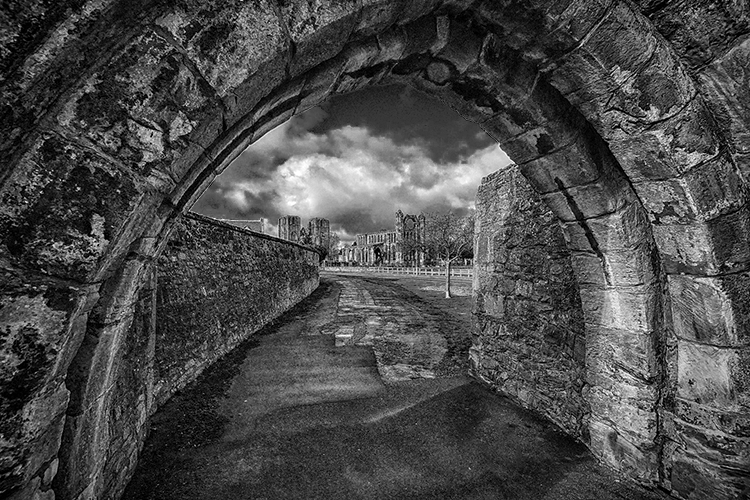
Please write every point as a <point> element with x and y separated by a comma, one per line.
<point>634,145</point>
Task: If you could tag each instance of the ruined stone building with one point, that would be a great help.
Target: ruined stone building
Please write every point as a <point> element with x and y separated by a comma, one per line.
<point>319,232</point>
<point>348,254</point>
<point>630,120</point>
<point>402,246</point>
<point>290,228</point>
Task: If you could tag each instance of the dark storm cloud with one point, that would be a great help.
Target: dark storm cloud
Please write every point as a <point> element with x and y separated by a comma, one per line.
<point>226,201</point>
<point>360,221</point>
<point>356,161</point>
<point>406,115</point>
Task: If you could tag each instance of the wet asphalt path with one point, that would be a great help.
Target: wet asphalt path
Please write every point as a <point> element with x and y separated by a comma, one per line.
<point>359,393</point>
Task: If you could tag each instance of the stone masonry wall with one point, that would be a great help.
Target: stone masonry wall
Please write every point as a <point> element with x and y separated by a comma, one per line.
<point>217,285</point>
<point>133,401</point>
<point>212,287</point>
<point>528,331</point>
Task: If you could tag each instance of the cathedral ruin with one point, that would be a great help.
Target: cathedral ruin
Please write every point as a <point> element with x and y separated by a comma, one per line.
<point>404,246</point>
<point>317,233</point>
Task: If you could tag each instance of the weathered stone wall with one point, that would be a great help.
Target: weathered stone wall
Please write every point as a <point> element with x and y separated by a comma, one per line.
<point>218,284</point>
<point>529,339</point>
<point>211,288</point>
<point>133,392</point>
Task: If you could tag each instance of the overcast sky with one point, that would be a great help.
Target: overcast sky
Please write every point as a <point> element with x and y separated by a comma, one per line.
<point>355,160</point>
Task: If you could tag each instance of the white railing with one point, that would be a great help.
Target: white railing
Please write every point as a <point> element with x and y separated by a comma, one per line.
<point>465,272</point>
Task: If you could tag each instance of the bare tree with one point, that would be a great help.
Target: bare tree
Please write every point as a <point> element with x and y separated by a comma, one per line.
<point>448,237</point>
<point>334,242</point>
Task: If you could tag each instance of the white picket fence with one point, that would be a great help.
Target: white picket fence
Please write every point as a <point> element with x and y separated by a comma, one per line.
<point>465,272</point>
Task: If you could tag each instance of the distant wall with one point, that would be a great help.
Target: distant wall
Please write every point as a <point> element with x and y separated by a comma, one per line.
<point>217,285</point>
<point>528,326</point>
<point>213,286</point>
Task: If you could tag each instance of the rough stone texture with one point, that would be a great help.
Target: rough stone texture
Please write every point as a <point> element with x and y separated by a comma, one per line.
<point>134,389</point>
<point>43,322</point>
<point>212,287</point>
<point>216,287</point>
<point>529,340</point>
<point>629,118</point>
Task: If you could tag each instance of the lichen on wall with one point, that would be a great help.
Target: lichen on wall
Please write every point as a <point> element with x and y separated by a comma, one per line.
<point>528,338</point>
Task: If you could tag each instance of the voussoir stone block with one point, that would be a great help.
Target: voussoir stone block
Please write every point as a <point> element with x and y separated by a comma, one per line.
<point>672,146</point>
<point>71,206</point>
<point>732,421</point>
<point>320,82</point>
<point>634,267</point>
<point>227,43</point>
<point>564,23</point>
<point>462,47</point>
<point>423,36</point>
<point>703,193</point>
<point>607,77</point>
<point>359,55</point>
<point>318,30</point>
<point>605,196</point>
<point>730,234</point>
<point>143,106</point>
<point>632,350</point>
<point>709,310</point>
<point>627,405</point>
<point>685,248</point>
<point>727,82</point>
<point>710,464</point>
<point>705,373</point>
<point>564,168</point>
<point>538,130</point>
<point>633,308</point>
<point>392,44</point>
<point>239,51</point>
<point>622,230</point>
<point>616,450</point>
<point>720,245</point>
<point>699,32</point>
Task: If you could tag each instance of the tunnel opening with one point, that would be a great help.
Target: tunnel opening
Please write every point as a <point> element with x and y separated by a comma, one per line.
<point>345,169</point>
<point>633,145</point>
<point>542,132</point>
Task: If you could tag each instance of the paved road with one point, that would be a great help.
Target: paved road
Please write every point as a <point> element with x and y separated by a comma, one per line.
<point>359,393</point>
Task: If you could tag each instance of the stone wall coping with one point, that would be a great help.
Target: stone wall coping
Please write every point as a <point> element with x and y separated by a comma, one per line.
<point>225,225</point>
